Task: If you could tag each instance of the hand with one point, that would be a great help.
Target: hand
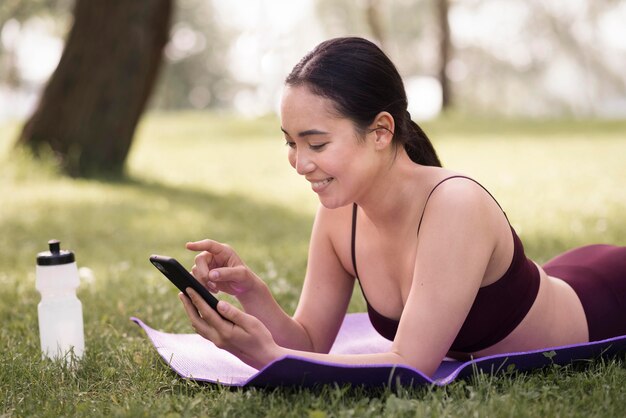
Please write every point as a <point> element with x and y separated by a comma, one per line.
<point>219,268</point>
<point>244,336</point>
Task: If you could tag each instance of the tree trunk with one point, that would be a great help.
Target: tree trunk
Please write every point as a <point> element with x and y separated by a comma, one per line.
<point>89,110</point>
<point>374,21</point>
<point>445,50</point>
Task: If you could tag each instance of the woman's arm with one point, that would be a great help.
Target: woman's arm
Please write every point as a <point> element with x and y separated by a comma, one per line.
<point>323,301</point>
<point>248,339</point>
<point>327,285</point>
<point>456,242</point>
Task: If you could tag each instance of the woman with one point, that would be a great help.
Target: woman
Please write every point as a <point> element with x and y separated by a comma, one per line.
<point>441,269</point>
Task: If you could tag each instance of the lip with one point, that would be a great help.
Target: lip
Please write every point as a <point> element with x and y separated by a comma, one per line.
<point>319,185</point>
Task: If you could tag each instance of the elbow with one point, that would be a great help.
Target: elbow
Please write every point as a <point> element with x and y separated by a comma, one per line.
<point>315,342</point>
<point>424,366</point>
<point>306,343</point>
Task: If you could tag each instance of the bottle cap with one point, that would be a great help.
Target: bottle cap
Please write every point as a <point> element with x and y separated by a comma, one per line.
<point>56,256</point>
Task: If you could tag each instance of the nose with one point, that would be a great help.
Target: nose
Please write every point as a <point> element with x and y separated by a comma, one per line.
<point>303,163</point>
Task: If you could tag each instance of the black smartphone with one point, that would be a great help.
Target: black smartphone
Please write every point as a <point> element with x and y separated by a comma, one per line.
<point>181,278</point>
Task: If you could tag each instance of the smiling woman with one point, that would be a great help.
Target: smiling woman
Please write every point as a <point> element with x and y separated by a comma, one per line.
<point>442,270</point>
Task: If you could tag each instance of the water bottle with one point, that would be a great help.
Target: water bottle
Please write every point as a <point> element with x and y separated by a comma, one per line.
<point>60,311</point>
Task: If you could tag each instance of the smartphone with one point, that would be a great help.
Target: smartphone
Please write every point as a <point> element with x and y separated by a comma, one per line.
<point>181,278</point>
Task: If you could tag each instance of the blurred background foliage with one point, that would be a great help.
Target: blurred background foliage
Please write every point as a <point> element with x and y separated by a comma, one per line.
<point>508,57</point>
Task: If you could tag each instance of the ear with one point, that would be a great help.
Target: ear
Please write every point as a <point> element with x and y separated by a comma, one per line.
<point>384,126</point>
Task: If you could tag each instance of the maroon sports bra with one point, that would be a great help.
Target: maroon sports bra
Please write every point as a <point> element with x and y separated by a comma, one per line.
<point>498,307</point>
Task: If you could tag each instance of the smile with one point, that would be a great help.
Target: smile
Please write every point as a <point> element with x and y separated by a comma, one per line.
<point>320,185</point>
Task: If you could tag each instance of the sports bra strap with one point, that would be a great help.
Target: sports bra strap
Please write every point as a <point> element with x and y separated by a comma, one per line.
<point>352,245</point>
<point>354,214</point>
<point>452,177</point>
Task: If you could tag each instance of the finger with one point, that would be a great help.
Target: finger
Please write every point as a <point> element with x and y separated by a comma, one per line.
<point>228,274</point>
<point>236,316</point>
<point>190,309</point>
<point>205,245</point>
<point>236,277</point>
<point>202,266</point>
<point>207,313</point>
<point>197,322</point>
<point>222,253</point>
<point>195,272</point>
<point>212,287</point>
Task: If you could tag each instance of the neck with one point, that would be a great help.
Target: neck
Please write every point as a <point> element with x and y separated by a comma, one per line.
<point>393,196</point>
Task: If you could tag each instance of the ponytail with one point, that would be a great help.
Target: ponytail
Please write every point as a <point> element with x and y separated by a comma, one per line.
<point>417,144</point>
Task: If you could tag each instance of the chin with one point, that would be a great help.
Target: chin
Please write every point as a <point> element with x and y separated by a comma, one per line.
<point>329,203</point>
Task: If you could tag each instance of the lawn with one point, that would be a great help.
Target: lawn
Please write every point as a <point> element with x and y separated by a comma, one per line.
<point>196,175</point>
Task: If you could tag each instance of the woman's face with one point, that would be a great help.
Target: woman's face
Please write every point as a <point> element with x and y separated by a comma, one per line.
<point>325,148</point>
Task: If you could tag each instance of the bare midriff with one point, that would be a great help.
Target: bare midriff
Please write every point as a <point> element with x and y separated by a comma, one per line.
<point>556,318</point>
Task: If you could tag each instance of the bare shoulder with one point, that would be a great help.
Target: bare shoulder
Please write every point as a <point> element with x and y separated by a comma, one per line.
<point>331,219</point>
<point>461,205</point>
<point>465,213</point>
<point>334,227</point>
<point>461,194</point>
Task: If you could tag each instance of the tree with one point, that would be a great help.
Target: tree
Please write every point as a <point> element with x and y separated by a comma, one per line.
<point>374,21</point>
<point>92,103</point>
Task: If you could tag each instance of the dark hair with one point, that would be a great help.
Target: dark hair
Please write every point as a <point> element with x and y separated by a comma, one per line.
<point>362,82</point>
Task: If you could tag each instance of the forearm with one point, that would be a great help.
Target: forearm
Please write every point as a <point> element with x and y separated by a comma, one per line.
<point>388,358</point>
<point>286,331</point>
<point>360,359</point>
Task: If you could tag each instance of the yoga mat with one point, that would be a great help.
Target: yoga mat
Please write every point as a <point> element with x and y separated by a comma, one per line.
<point>193,357</point>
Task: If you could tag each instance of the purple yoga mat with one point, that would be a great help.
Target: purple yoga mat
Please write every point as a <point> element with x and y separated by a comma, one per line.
<point>193,357</point>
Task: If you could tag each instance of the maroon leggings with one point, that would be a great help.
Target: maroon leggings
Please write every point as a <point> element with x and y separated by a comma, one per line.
<point>597,273</point>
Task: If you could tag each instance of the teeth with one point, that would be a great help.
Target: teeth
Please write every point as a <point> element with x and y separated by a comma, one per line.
<point>321,183</point>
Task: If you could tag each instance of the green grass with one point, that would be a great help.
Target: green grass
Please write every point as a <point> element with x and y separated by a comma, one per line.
<point>195,175</point>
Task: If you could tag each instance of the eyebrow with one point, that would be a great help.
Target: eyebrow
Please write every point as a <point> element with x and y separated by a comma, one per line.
<point>308,132</point>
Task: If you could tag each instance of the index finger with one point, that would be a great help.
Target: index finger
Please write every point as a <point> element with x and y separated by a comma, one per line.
<point>205,245</point>
<point>223,254</point>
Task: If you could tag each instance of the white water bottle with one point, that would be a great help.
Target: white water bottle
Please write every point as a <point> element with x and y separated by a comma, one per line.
<point>60,311</point>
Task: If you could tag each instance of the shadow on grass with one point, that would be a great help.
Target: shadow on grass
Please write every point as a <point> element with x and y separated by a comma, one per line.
<point>123,217</point>
<point>114,225</point>
<point>227,217</point>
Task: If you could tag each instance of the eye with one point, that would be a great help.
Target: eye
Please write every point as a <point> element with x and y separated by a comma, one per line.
<point>290,144</point>
<point>318,147</point>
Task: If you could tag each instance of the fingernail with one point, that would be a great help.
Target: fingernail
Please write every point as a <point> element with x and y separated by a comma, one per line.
<point>214,274</point>
<point>223,306</point>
